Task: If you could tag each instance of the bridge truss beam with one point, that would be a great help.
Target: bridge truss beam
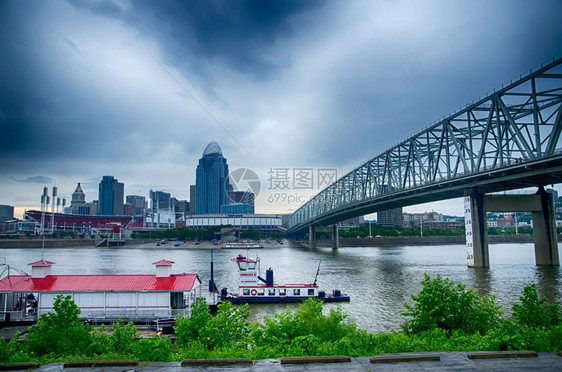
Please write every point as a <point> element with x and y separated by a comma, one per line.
<point>507,140</point>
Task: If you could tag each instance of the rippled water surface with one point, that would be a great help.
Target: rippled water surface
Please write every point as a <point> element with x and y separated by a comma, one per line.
<point>379,280</point>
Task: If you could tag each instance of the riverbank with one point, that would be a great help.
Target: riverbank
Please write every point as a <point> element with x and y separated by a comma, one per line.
<point>130,243</point>
<point>343,242</point>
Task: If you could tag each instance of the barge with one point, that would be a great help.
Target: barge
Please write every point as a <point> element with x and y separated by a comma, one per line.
<point>252,288</point>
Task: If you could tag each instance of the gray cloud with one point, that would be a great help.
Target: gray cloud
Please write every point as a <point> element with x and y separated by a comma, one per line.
<point>81,96</point>
<point>34,179</point>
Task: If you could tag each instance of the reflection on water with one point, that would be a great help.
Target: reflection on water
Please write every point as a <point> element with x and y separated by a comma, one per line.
<point>379,280</point>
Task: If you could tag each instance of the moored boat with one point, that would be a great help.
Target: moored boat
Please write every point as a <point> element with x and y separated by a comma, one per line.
<point>241,245</point>
<point>101,298</point>
<point>252,288</point>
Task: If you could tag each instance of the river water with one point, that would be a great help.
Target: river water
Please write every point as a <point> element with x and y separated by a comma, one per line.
<point>379,280</point>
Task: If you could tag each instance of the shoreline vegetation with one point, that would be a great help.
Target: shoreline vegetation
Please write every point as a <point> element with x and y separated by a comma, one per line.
<point>343,242</point>
<point>466,321</point>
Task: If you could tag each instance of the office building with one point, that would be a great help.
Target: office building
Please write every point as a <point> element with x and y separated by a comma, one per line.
<point>111,194</point>
<point>138,203</point>
<point>160,201</point>
<point>390,218</point>
<point>211,184</point>
<point>6,213</point>
<point>192,194</point>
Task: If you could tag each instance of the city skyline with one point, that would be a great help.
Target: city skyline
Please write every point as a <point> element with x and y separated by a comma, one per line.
<point>96,88</point>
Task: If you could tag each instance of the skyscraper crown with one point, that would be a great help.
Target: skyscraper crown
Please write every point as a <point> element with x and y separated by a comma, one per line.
<point>212,148</point>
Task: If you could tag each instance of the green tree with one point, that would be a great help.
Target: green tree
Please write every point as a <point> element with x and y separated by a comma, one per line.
<point>446,305</point>
<point>61,332</point>
<point>535,312</point>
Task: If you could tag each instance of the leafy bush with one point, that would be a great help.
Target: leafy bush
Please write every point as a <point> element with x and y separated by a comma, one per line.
<point>228,328</point>
<point>446,305</point>
<point>11,351</point>
<point>123,336</point>
<point>61,332</point>
<point>153,349</point>
<point>309,332</point>
<point>535,312</point>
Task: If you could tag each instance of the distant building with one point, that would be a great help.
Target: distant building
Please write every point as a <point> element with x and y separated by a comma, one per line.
<point>6,213</point>
<point>192,197</point>
<point>111,194</point>
<point>138,203</point>
<point>411,220</point>
<point>244,200</point>
<point>160,201</point>
<point>444,225</point>
<point>238,208</point>
<point>78,201</point>
<point>211,184</point>
<point>182,206</point>
<point>264,222</point>
<point>390,218</point>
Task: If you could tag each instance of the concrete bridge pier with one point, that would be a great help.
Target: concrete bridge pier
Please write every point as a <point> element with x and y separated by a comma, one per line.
<point>333,230</point>
<point>476,228</point>
<point>541,204</point>
<point>544,230</point>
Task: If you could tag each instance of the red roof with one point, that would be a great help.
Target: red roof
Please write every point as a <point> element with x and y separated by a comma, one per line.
<point>41,263</point>
<point>97,283</point>
<point>163,262</point>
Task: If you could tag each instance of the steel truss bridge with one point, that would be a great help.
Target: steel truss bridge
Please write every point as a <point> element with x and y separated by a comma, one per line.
<point>507,140</point>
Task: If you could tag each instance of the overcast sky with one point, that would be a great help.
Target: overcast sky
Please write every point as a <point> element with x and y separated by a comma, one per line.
<point>137,89</point>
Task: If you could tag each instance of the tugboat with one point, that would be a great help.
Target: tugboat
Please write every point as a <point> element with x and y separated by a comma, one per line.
<point>254,289</point>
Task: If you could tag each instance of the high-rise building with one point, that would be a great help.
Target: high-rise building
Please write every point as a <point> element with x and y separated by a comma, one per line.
<point>211,184</point>
<point>390,218</point>
<point>160,201</point>
<point>138,202</point>
<point>78,201</point>
<point>111,194</point>
<point>192,194</point>
<point>182,206</point>
<point>6,213</point>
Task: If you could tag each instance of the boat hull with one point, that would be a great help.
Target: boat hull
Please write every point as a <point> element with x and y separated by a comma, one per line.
<point>281,299</point>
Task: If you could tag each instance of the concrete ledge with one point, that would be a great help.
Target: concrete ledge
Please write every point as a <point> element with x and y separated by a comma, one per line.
<point>502,354</point>
<point>17,366</point>
<point>99,363</point>
<point>406,357</point>
<point>316,359</point>
<point>217,362</point>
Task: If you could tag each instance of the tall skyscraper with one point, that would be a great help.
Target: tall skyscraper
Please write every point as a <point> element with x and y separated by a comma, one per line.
<point>111,194</point>
<point>211,183</point>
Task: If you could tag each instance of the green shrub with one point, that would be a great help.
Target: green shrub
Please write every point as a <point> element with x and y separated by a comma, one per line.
<point>535,312</point>
<point>61,332</point>
<point>450,306</point>
<point>153,349</point>
<point>123,336</point>
<point>228,328</point>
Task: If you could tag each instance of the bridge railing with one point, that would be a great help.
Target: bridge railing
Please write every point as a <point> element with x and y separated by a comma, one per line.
<point>514,125</point>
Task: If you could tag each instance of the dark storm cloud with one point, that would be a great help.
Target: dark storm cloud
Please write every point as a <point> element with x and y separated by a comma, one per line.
<point>34,179</point>
<point>234,33</point>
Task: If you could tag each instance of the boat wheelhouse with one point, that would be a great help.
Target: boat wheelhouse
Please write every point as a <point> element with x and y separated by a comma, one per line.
<point>134,297</point>
<point>252,288</point>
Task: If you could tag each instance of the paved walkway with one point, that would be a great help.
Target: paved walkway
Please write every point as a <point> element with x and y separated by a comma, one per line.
<point>454,361</point>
